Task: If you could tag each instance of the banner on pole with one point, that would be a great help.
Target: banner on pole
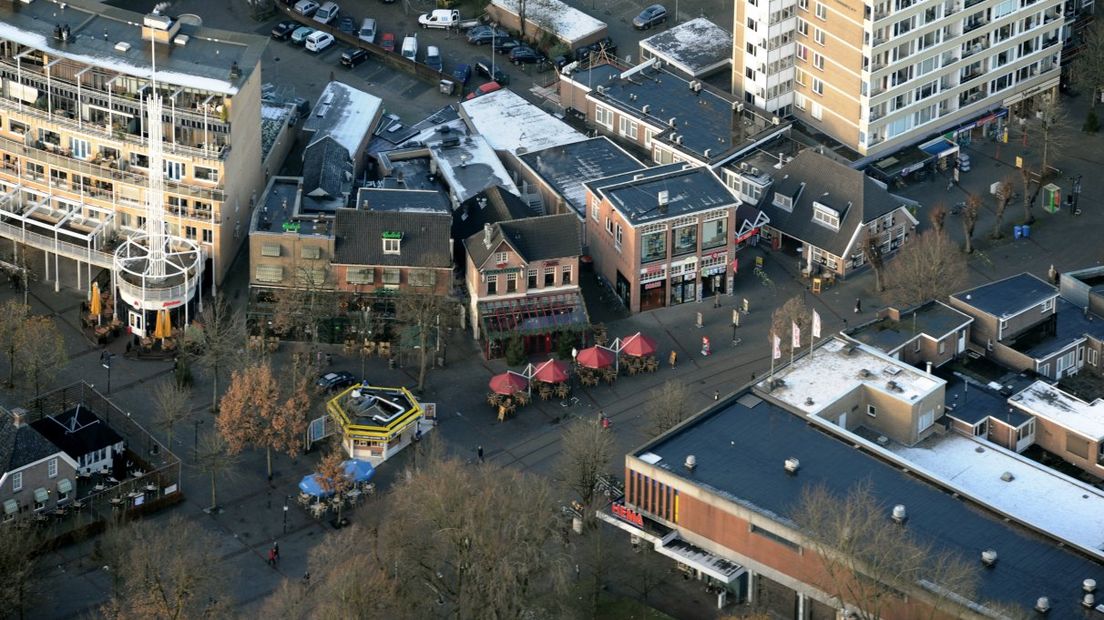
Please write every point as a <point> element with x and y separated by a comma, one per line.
<point>816,324</point>
<point>796,335</point>
<point>776,344</point>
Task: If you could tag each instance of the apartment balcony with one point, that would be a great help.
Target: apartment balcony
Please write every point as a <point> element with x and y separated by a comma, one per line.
<point>970,97</point>
<point>970,75</point>
<point>1052,15</point>
<point>969,50</point>
<point>1051,41</point>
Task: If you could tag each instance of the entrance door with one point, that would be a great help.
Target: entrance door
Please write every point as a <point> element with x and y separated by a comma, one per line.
<point>961,341</point>
<point>137,323</point>
<point>843,420</point>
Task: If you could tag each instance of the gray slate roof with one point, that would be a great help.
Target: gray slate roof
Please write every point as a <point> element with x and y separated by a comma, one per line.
<point>358,238</point>
<point>377,199</point>
<point>856,196</point>
<point>327,169</point>
<point>567,167</point>
<point>689,190</point>
<point>1009,296</point>
<point>740,449</point>
<point>1072,324</point>
<point>21,446</point>
<point>535,238</point>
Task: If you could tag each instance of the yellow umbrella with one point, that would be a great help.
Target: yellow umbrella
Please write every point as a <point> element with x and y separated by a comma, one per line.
<point>96,306</point>
<point>168,324</point>
<point>159,326</point>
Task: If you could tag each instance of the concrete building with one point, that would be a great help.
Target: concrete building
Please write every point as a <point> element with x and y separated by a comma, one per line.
<point>931,333</point>
<point>74,142</point>
<point>522,279</point>
<point>695,48</point>
<point>1065,425</point>
<point>35,475</point>
<point>666,235</point>
<point>883,74</point>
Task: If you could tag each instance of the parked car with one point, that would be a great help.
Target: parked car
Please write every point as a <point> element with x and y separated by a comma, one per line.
<point>650,16</point>
<point>347,24</point>
<point>306,7</point>
<point>505,45</point>
<point>483,89</point>
<point>299,37</point>
<point>491,71</point>
<point>439,18</point>
<point>387,41</point>
<point>353,57</point>
<point>607,45</point>
<point>560,62</point>
<point>433,58</point>
<point>410,47</point>
<point>332,381</point>
<point>283,30</point>
<point>327,13</point>
<point>461,74</point>
<point>525,54</point>
<point>482,35</point>
<point>367,30</point>
<point>318,41</point>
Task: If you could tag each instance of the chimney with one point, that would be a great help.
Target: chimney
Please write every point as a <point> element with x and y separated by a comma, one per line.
<point>661,200</point>
<point>19,417</point>
<point>929,368</point>
<point>894,314</point>
<point>488,235</point>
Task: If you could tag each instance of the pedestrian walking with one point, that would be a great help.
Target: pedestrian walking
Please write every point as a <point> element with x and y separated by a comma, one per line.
<point>276,550</point>
<point>272,558</point>
<point>479,453</point>
<point>673,358</point>
<point>306,578</point>
<point>858,305</point>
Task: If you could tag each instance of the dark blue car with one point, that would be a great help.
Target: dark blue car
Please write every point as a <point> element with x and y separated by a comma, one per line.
<point>462,73</point>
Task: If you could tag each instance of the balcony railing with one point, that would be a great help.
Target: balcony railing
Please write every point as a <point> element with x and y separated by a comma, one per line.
<point>971,75</point>
<point>49,244</point>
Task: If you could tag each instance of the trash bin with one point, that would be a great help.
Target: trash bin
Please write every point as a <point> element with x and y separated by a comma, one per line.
<point>1017,231</point>
<point>446,87</point>
<point>1026,231</point>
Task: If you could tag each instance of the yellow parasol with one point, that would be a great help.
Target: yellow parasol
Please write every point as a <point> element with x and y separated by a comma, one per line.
<point>96,307</point>
<point>159,326</point>
<point>167,324</point>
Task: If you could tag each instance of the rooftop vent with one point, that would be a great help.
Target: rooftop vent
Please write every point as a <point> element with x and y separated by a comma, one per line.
<point>706,153</point>
<point>809,401</point>
<point>662,197</point>
<point>601,89</point>
<point>1089,600</point>
<point>883,440</point>
<point>122,47</point>
<point>695,85</point>
<point>678,139</point>
<point>645,108</point>
<point>775,120</point>
<point>989,557</point>
<point>181,40</point>
<point>1007,476</point>
<point>900,515</point>
<point>1042,605</point>
<point>671,121</point>
<point>892,385</point>
<point>792,465</point>
<point>1089,585</point>
<point>892,371</point>
<point>691,462</point>
<point>864,373</point>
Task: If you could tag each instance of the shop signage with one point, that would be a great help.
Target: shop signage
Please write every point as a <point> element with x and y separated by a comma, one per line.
<point>389,234</point>
<point>627,514</point>
<point>653,285</point>
<point>690,277</point>
<point>747,235</point>
<point>495,272</point>
<point>713,271</point>
<point>717,254</point>
<point>652,269</point>
<point>551,263</point>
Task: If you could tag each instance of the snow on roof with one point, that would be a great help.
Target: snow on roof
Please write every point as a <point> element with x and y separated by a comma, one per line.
<point>568,23</point>
<point>471,167</point>
<point>1037,495</point>
<point>118,63</point>
<point>1048,402</point>
<point>695,47</point>
<point>510,123</point>
<point>838,367</point>
<point>271,112</point>
<point>344,113</point>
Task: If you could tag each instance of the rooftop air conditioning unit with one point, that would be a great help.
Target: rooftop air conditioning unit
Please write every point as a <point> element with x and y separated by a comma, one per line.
<point>645,108</point>
<point>744,166</point>
<point>989,557</point>
<point>775,120</point>
<point>601,89</point>
<point>671,121</point>
<point>691,462</point>
<point>122,46</point>
<point>792,465</point>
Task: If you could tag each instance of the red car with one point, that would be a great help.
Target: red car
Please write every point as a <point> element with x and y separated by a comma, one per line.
<point>483,89</point>
<point>387,41</point>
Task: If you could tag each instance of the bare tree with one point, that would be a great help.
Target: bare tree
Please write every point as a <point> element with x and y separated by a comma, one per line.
<point>1089,65</point>
<point>215,459</point>
<point>1027,178</point>
<point>215,341</point>
<point>793,311</point>
<point>970,212</point>
<point>585,456</point>
<point>928,266</point>
<point>1002,196</point>
<point>169,571</point>
<point>12,316</point>
<point>40,352</point>
<point>333,478</point>
<point>305,306</point>
<point>174,406</point>
<point>667,406</point>
<point>20,558</point>
<point>424,315</point>
<point>874,256</point>
<point>1052,123</point>
<point>867,560</point>
<point>938,217</point>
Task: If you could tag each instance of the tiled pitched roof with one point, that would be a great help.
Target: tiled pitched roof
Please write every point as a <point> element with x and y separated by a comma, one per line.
<point>534,238</point>
<point>21,446</point>
<point>358,238</point>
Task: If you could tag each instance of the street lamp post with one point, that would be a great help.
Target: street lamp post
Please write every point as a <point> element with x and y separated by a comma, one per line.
<point>285,513</point>
<point>574,366</point>
<point>105,361</point>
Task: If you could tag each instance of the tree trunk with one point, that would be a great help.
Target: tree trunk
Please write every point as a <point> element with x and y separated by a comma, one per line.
<point>878,284</point>
<point>422,359</point>
<point>214,388</point>
<point>214,501</point>
<point>268,458</point>
<point>170,437</point>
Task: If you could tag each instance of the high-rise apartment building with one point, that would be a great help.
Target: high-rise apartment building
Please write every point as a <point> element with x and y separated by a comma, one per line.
<point>881,74</point>
<point>77,78</point>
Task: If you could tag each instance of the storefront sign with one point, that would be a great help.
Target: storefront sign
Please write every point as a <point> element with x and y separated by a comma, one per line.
<point>717,254</point>
<point>747,235</point>
<point>551,263</point>
<point>652,269</point>
<point>690,277</point>
<point>713,271</point>
<point>495,272</point>
<point>653,285</point>
<point>627,514</point>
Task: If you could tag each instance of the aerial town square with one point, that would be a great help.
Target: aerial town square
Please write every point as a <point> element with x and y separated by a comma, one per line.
<point>544,309</point>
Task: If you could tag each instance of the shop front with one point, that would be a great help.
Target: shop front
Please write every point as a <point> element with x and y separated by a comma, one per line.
<point>713,281</point>
<point>535,319</point>
<point>684,288</point>
<point>652,295</point>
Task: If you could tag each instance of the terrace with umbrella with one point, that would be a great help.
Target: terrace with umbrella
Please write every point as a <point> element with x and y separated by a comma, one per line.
<point>552,376</point>
<point>508,391</point>
<point>638,353</point>
<point>596,363</point>
<point>316,497</point>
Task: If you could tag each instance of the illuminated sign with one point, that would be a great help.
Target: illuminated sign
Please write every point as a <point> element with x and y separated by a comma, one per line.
<point>627,514</point>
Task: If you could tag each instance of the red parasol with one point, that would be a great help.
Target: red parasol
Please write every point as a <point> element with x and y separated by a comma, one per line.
<point>552,371</point>
<point>508,383</point>
<point>638,345</point>
<point>595,357</point>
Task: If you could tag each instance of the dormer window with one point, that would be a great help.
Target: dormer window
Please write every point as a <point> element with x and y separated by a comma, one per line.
<point>783,201</point>
<point>392,242</point>
<point>826,215</point>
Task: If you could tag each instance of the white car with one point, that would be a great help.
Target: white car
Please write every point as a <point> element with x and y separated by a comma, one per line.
<point>318,41</point>
<point>306,7</point>
<point>410,48</point>
<point>368,30</point>
<point>327,13</point>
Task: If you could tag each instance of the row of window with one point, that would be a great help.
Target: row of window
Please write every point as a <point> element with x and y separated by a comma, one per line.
<point>652,496</point>
<point>17,477</point>
<point>510,280</point>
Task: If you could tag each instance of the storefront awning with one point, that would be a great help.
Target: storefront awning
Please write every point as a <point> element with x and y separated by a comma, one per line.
<point>11,506</point>
<point>41,495</point>
<point>939,148</point>
<point>65,486</point>
<point>695,557</point>
<point>533,315</point>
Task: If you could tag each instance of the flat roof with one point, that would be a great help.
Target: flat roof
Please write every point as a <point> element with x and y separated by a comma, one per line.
<point>470,166</point>
<point>1047,401</point>
<point>740,448</point>
<point>695,47</point>
<point>690,189</point>
<point>1010,296</point>
<point>1037,495</point>
<point>406,200</point>
<point>344,113</point>
<point>567,167</point>
<point>934,319</point>
<point>281,205</point>
<point>973,403</point>
<point>1071,324</point>
<point>566,22</point>
<point>837,367</point>
<point>203,63</point>
<point>510,123</point>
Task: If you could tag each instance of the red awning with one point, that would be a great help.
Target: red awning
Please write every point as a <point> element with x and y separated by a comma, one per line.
<point>638,345</point>
<point>508,383</point>
<point>552,371</point>
<point>595,357</point>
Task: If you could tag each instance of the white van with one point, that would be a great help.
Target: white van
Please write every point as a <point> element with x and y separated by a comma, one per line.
<point>440,18</point>
<point>410,47</point>
<point>318,41</point>
<point>368,30</point>
<point>327,13</point>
